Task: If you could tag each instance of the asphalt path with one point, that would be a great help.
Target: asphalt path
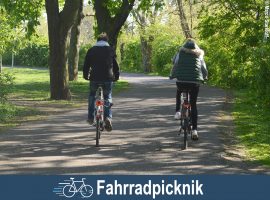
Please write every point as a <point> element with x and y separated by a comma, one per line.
<point>144,139</point>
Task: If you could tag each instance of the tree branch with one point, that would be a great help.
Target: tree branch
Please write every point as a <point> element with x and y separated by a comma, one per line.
<point>121,17</point>
<point>68,14</point>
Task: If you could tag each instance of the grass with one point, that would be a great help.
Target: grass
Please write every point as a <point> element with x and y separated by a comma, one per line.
<point>30,97</point>
<point>252,126</point>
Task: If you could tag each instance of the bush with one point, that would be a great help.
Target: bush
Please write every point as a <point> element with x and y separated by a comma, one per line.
<point>131,56</point>
<point>261,71</point>
<point>164,48</point>
<point>7,111</point>
<point>238,58</point>
<point>165,44</point>
<point>34,53</point>
<point>6,82</point>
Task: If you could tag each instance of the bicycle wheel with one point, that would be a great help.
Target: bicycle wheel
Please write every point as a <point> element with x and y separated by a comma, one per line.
<point>185,133</point>
<point>69,191</point>
<point>87,191</point>
<point>97,132</point>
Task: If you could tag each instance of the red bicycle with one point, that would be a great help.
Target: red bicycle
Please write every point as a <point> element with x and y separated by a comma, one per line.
<point>185,120</point>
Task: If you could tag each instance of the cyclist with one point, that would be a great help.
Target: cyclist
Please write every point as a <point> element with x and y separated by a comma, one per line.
<point>190,70</point>
<point>101,68</point>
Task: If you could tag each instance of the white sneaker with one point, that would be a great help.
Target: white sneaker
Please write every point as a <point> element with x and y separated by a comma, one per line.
<point>177,115</point>
<point>195,135</point>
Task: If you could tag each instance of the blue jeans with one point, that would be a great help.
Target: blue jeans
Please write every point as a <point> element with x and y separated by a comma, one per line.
<point>107,93</point>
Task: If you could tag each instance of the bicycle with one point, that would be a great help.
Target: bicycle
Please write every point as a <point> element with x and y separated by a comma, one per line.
<point>185,120</point>
<point>71,189</point>
<point>99,113</point>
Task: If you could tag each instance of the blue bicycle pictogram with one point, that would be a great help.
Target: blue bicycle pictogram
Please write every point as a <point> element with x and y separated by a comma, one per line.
<point>73,187</point>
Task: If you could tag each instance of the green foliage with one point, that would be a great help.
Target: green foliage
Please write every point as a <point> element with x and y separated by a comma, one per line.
<point>9,111</point>
<point>165,46</point>
<point>5,31</point>
<point>23,12</point>
<point>261,71</point>
<point>131,56</point>
<point>17,20</point>
<point>6,83</point>
<point>34,52</point>
<point>114,6</point>
<point>146,5</point>
<point>232,33</point>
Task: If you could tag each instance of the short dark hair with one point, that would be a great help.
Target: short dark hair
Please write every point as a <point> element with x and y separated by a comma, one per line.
<point>103,36</point>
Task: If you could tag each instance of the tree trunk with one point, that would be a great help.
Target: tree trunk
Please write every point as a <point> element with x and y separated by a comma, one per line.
<point>146,50</point>
<point>59,25</point>
<point>73,54</point>
<point>122,51</point>
<point>1,64</point>
<point>191,17</point>
<point>146,46</point>
<point>183,19</point>
<point>12,59</point>
<point>111,25</point>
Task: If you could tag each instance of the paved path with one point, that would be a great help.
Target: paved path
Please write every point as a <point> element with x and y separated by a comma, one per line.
<point>144,139</point>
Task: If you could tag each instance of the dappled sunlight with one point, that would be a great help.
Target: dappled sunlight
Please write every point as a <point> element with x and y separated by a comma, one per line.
<point>144,139</point>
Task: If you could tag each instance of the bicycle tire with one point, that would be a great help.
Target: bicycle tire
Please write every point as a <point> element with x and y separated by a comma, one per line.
<point>69,191</point>
<point>185,133</point>
<point>87,191</point>
<point>97,132</point>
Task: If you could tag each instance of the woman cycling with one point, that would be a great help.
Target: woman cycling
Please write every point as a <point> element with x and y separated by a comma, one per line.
<point>190,70</point>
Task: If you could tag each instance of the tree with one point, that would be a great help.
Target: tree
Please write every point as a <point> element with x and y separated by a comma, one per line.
<point>5,35</point>
<point>21,14</point>
<point>145,16</point>
<point>73,54</point>
<point>111,15</point>
<point>146,39</point>
<point>183,19</point>
<point>59,24</point>
<point>233,31</point>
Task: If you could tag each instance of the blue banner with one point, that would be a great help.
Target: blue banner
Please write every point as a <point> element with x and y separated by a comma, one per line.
<point>132,187</point>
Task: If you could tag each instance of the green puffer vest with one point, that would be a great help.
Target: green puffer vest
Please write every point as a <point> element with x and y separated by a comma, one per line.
<point>188,68</point>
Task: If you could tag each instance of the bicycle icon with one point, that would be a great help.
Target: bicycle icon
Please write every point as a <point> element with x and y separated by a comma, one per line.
<point>77,186</point>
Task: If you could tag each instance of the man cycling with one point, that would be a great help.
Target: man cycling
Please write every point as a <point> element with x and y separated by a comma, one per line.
<point>101,68</point>
<point>190,70</point>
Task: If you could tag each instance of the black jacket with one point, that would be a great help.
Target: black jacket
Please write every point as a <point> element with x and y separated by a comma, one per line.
<point>100,64</point>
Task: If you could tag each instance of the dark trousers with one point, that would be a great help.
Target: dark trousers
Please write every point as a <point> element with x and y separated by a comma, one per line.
<point>194,91</point>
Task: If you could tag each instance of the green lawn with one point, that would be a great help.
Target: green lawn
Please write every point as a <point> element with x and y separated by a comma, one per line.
<point>252,127</point>
<point>30,93</point>
<point>34,84</point>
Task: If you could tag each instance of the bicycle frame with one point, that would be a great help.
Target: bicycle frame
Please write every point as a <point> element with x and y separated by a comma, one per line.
<point>99,104</point>
<point>185,122</point>
<point>74,185</point>
<point>71,189</point>
<point>99,113</point>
